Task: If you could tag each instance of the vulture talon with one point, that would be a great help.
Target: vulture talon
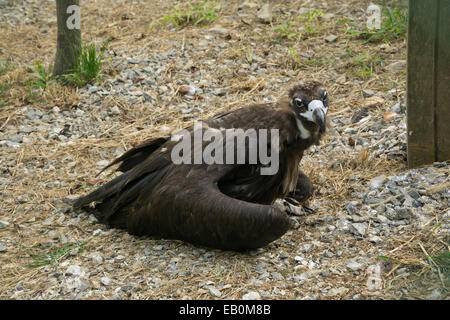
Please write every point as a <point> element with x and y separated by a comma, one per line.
<point>307,210</point>
<point>292,210</point>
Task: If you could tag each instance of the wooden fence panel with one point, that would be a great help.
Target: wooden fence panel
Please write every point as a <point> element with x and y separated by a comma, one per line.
<point>428,96</point>
<point>443,84</point>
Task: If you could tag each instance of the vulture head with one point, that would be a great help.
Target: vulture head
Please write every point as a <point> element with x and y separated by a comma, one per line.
<point>309,100</point>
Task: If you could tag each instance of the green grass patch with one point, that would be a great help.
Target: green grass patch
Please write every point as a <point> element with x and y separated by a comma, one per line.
<point>87,67</point>
<point>394,25</point>
<point>364,64</point>
<point>312,19</point>
<point>5,66</point>
<point>54,255</point>
<point>3,88</point>
<point>443,261</point>
<point>289,30</point>
<point>295,61</point>
<point>298,28</point>
<point>190,15</point>
<point>42,76</point>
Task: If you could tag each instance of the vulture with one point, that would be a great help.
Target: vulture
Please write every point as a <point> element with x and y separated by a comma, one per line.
<point>228,205</point>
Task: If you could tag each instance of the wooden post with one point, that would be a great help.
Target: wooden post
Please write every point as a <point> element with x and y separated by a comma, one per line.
<point>69,39</point>
<point>443,83</point>
<point>428,96</point>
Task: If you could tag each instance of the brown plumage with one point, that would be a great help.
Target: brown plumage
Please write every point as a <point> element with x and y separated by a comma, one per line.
<point>228,206</point>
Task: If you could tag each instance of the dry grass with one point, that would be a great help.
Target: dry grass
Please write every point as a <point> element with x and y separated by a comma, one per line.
<point>127,27</point>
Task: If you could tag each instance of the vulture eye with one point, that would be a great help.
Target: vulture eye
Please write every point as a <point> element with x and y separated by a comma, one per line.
<point>298,102</point>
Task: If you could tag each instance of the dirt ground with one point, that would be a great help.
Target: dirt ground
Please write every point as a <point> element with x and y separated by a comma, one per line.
<point>49,252</point>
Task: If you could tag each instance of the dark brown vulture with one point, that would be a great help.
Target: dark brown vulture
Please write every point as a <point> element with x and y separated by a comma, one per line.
<point>226,206</point>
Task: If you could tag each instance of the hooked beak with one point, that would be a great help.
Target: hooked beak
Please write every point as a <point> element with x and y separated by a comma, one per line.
<point>317,113</point>
<point>320,119</point>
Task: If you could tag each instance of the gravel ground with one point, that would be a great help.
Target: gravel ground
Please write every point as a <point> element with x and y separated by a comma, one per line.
<point>378,231</point>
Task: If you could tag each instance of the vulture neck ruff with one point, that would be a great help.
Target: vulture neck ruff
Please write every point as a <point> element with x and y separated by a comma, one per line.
<point>304,133</point>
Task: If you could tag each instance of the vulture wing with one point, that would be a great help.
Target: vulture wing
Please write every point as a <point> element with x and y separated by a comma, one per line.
<point>225,206</point>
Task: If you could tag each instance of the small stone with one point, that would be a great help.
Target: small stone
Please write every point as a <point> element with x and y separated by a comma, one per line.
<point>397,66</point>
<point>306,247</point>
<point>187,90</point>
<point>264,14</point>
<point>401,271</point>
<point>353,265</point>
<point>215,292</point>
<point>164,129</point>
<point>219,29</point>
<point>368,93</point>
<point>82,284</point>
<point>382,219</point>
<point>252,295</point>
<point>2,247</point>
<point>102,163</point>
<point>390,184</point>
<point>375,239</point>
<point>93,89</point>
<point>209,254</point>
<point>387,48</point>
<point>377,182</point>
<point>62,239</point>
<point>247,4</point>
<point>343,224</point>
<point>396,108</point>
<point>401,214</point>
<point>414,194</point>
<point>74,270</point>
<point>417,203</point>
<point>191,91</point>
<point>97,259</point>
<point>277,276</point>
<point>358,228</point>
<point>389,115</point>
<point>330,38</point>
<point>373,102</point>
<point>351,207</point>
<point>105,281</point>
<point>303,10</point>
<point>115,110</point>
<point>337,291</point>
<point>33,114</point>
<point>3,224</point>
<point>436,294</point>
<point>18,138</point>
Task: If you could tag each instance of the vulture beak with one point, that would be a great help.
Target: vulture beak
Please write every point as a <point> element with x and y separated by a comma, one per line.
<point>317,113</point>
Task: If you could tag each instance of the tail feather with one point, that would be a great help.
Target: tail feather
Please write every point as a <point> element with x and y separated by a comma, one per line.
<point>129,160</point>
<point>134,156</point>
<point>108,189</point>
